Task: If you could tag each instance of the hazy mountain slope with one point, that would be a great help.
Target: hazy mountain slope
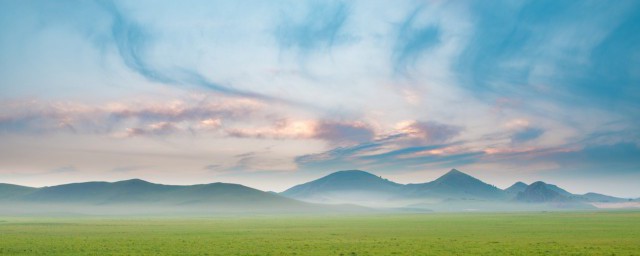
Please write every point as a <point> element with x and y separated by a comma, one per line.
<point>559,190</point>
<point>231,194</point>
<point>540,192</point>
<point>363,188</point>
<point>457,185</point>
<point>516,188</point>
<point>454,191</point>
<point>102,192</point>
<point>345,182</point>
<point>142,192</point>
<point>141,197</point>
<point>8,191</point>
<point>600,198</point>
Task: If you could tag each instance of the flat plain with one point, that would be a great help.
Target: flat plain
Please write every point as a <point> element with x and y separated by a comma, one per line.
<point>536,233</point>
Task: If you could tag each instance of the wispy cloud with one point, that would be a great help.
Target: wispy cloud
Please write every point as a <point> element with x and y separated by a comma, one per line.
<point>413,38</point>
<point>412,146</point>
<point>552,51</point>
<point>426,133</point>
<point>527,134</point>
<point>334,132</point>
<point>124,119</point>
<point>319,27</point>
<point>134,42</point>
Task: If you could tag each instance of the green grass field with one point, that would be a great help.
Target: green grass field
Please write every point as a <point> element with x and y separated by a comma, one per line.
<point>558,233</point>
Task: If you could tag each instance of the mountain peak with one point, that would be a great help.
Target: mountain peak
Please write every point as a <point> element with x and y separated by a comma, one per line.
<point>516,188</point>
<point>540,192</point>
<point>459,184</point>
<point>518,185</point>
<point>538,184</point>
<point>454,172</point>
<point>454,176</point>
<point>341,181</point>
<point>351,173</point>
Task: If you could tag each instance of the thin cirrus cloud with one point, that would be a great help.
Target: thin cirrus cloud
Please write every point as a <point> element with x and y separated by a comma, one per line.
<point>574,47</point>
<point>413,145</point>
<point>124,119</point>
<point>527,134</point>
<point>571,160</point>
<point>320,27</point>
<point>413,40</point>
<point>334,132</point>
<point>133,42</point>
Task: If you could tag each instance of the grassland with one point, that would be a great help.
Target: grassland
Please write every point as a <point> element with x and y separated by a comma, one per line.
<point>558,233</point>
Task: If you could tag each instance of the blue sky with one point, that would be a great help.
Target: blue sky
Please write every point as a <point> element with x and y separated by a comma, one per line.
<point>274,93</point>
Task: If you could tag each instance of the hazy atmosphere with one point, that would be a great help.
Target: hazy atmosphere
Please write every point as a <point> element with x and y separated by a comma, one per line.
<point>272,94</point>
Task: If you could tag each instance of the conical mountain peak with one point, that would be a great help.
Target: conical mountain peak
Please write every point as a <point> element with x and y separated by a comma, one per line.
<point>455,172</point>
<point>349,180</point>
<point>350,174</point>
<point>455,176</point>
<point>516,188</point>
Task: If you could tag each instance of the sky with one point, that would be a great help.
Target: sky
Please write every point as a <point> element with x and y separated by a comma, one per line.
<point>271,94</point>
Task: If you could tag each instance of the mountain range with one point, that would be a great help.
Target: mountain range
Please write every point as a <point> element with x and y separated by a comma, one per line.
<point>342,191</point>
<point>454,190</point>
<point>141,197</point>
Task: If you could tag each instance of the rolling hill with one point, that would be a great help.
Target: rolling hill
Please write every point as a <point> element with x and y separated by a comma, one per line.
<point>143,192</point>
<point>10,191</point>
<point>600,198</point>
<point>138,196</point>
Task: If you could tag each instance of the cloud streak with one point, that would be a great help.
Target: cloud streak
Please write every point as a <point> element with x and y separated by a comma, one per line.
<point>412,40</point>
<point>319,28</point>
<point>124,119</point>
<point>134,42</point>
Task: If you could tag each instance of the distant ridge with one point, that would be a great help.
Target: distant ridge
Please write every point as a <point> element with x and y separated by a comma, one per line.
<point>131,196</point>
<point>600,198</point>
<point>453,188</point>
<point>10,190</point>
<point>337,192</point>
<point>140,191</point>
